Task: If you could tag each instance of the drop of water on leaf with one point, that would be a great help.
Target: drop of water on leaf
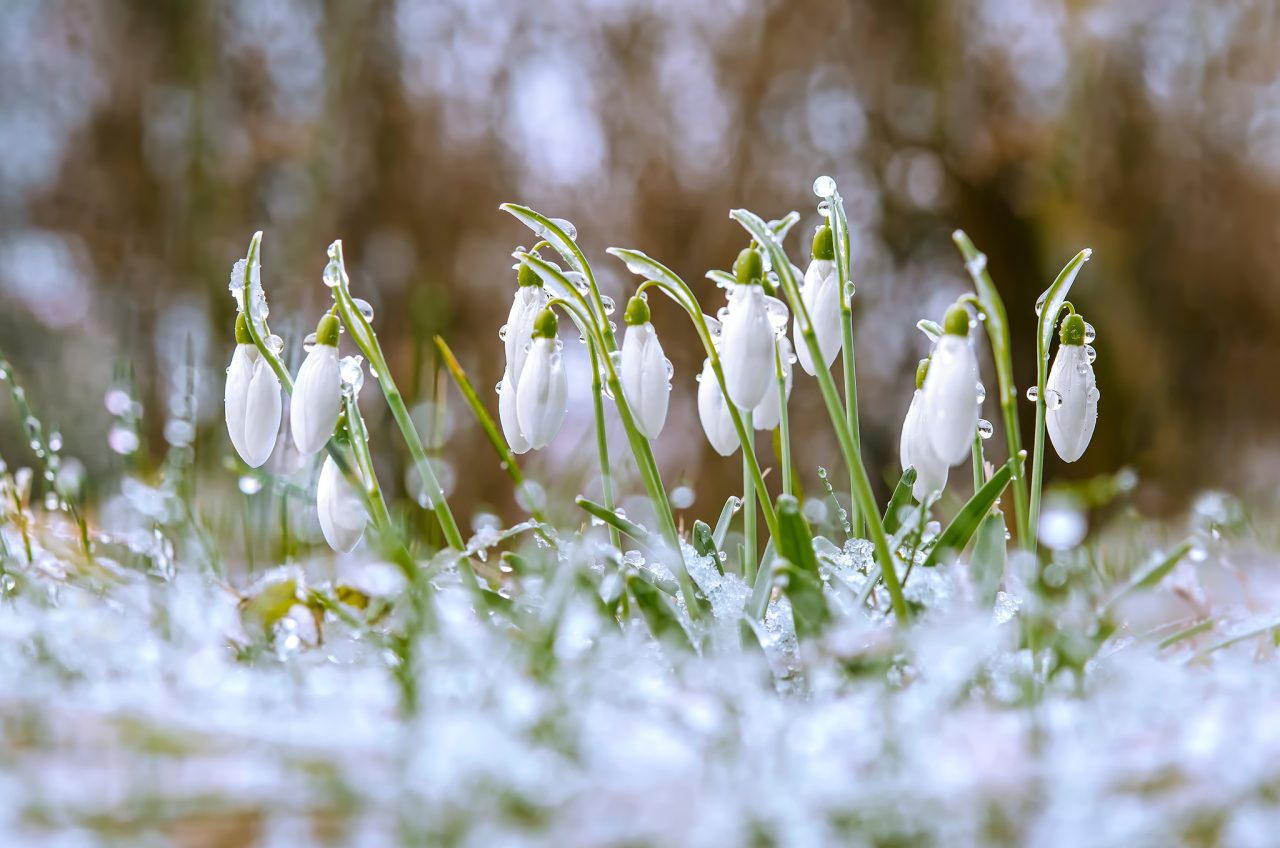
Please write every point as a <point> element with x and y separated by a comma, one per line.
<point>117,401</point>
<point>274,343</point>
<point>1040,303</point>
<point>824,186</point>
<point>364,307</point>
<point>122,440</point>
<point>609,305</point>
<point>352,372</point>
<point>985,430</point>
<point>569,229</point>
<point>1033,394</point>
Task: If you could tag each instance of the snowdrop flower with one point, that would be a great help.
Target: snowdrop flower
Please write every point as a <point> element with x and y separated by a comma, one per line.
<point>530,299</point>
<point>340,508</point>
<point>542,390</point>
<point>317,392</point>
<point>746,347</point>
<point>1071,394</point>
<point>251,400</point>
<point>951,390</point>
<point>768,412</point>
<point>916,449</point>
<point>820,293</point>
<point>646,374</point>
<point>713,412</point>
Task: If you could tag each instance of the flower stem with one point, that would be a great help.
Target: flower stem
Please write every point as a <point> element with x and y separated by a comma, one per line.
<point>978,474</point>
<point>602,442</point>
<point>784,422</point>
<point>748,507</point>
<point>850,399</point>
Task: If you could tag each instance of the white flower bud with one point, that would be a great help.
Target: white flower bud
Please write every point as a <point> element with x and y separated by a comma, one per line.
<point>507,415</point>
<point>820,292</point>
<point>646,378</point>
<point>746,347</point>
<point>1071,395</point>
<point>317,391</point>
<point>951,391</point>
<point>252,405</point>
<point>340,508</point>
<point>713,412</point>
<point>529,301</point>
<point>542,391</point>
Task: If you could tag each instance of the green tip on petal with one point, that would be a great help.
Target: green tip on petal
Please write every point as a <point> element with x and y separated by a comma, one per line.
<point>1073,330</point>
<point>921,370</point>
<point>824,243</point>
<point>544,326</point>
<point>637,312</point>
<point>748,267</point>
<point>957,321</point>
<point>327,330</point>
<point>527,276</point>
<point>242,330</point>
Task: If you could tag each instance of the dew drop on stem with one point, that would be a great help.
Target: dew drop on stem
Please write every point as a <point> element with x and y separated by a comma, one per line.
<point>824,186</point>
<point>1033,394</point>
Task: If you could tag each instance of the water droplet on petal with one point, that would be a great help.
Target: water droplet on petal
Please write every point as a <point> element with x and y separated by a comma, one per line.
<point>309,342</point>
<point>1052,399</point>
<point>1090,334</point>
<point>502,333</point>
<point>1091,353</point>
<point>982,392</point>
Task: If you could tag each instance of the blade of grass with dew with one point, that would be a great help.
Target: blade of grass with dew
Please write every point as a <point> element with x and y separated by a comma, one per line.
<point>732,505</point>
<point>798,569</point>
<point>961,529</point>
<point>989,553</point>
<point>658,613</point>
<point>901,497</point>
<point>997,324</point>
<point>1148,577</point>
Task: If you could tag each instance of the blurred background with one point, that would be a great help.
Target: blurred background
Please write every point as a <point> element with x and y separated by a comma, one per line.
<point>144,142</point>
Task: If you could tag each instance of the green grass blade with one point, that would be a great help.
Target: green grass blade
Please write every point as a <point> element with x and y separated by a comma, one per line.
<point>901,497</point>
<point>961,529</point>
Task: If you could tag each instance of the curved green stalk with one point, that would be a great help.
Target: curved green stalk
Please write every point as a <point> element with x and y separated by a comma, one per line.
<point>864,498</point>
<point>997,323</point>
<point>668,282</point>
<point>1051,304</point>
<point>840,232</point>
<point>784,421</point>
<point>367,341</point>
<point>602,442</point>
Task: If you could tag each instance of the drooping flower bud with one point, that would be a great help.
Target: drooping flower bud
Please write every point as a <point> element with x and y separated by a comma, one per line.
<point>768,413</point>
<point>317,391</point>
<point>251,401</point>
<point>340,509</point>
<point>746,346</point>
<point>820,292</point>
<point>507,415</point>
<point>1071,393</point>
<point>713,412</point>
<point>645,371</point>
<point>542,390</point>
<point>916,449</point>
<point>951,390</point>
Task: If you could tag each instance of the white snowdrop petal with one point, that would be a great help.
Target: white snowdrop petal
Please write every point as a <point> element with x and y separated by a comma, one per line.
<point>262,410</point>
<point>317,399</point>
<point>916,451</point>
<point>236,394</point>
<point>713,413</point>
<point>340,509</point>
<point>746,350</point>
<point>951,398</point>
<point>1070,423</point>
<point>644,379</point>
<point>507,415</point>
<point>528,302</point>
<point>542,394</point>
<point>820,292</point>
